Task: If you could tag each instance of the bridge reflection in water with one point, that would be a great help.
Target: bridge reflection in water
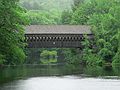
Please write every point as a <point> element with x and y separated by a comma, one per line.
<point>56,36</point>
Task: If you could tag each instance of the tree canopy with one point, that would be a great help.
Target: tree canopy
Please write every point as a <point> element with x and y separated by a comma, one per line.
<point>12,19</point>
<point>103,17</point>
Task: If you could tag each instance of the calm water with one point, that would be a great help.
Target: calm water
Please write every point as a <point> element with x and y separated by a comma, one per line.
<point>59,77</point>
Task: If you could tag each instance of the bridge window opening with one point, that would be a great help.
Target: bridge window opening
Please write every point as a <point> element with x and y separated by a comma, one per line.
<point>73,38</point>
<point>69,38</point>
<point>60,38</point>
<point>34,38</point>
<point>57,38</point>
<point>47,38</point>
<point>76,38</point>
<point>30,38</point>
<point>50,38</point>
<point>66,38</point>
<point>53,38</point>
<point>43,38</point>
<point>37,38</point>
<point>58,41</point>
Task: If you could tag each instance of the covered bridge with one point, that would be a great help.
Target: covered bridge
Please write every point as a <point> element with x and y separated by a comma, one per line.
<point>56,36</point>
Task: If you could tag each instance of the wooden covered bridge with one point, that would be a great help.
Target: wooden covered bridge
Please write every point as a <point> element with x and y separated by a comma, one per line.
<point>56,36</point>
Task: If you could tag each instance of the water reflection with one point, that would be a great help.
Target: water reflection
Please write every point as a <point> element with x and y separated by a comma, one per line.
<point>59,77</point>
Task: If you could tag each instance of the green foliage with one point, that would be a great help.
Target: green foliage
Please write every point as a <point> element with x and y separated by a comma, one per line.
<point>46,11</point>
<point>66,17</point>
<point>88,56</point>
<point>41,17</point>
<point>92,59</point>
<point>78,2</point>
<point>1,59</point>
<point>103,16</point>
<point>48,57</point>
<point>47,5</point>
<point>116,58</point>
<point>12,17</point>
<point>72,56</point>
<point>17,55</point>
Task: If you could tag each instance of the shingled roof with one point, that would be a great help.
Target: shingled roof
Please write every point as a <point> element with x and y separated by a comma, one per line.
<point>57,29</point>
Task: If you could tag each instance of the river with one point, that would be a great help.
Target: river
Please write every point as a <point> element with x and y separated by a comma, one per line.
<point>59,77</point>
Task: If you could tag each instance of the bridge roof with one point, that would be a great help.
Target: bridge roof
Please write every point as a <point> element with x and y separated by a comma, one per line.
<point>57,29</point>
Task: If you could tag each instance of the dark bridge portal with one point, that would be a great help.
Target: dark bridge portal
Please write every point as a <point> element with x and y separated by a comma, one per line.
<point>56,36</point>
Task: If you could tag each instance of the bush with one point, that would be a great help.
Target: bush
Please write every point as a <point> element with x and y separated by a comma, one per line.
<point>18,56</point>
<point>92,59</point>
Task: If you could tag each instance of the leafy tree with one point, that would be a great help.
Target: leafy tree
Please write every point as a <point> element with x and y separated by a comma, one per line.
<point>103,16</point>
<point>41,17</point>
<point>116,58</point>
<point>46,11</point>
<point>76,4</point>
<point>66,17</point>
<point>72,56</point>
<point>12,31</point>
<point>47,5</point>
